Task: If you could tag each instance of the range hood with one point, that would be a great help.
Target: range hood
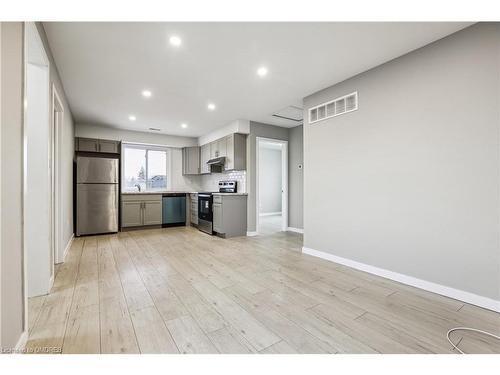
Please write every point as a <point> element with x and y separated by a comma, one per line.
<point>217,161</point>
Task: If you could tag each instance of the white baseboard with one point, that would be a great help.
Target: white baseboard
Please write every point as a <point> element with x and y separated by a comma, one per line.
<point>270,214</point>
<point>68,246</point>
<point>21,343</point>
<point>296,230</point>
<point>473,299</point>
<point>251,234</point>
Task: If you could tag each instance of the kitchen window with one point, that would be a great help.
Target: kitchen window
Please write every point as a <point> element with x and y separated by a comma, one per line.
<point>145,168</point>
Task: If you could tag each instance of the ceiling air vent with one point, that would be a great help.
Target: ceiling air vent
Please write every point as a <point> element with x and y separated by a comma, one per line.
<point>290,113</point>
<point>339,106</point>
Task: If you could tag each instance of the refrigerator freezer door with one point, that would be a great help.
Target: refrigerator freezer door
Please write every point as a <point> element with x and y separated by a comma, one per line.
<point>94,170</point>
<point>97,208</point>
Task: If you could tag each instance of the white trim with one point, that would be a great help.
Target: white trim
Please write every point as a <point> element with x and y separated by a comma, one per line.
<point>251,234</point>
<point>68,246</point>
<point>270,214</point>
<point>474,299</point>
<point>57,119</point>
<point>21,343</point>
<point>30,28</point>
<point>284,179</point>
<point>296,230</point>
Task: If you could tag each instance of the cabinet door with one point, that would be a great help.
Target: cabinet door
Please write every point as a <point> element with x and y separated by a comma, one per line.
<point>229,152</point>
<point>131,214</point>
<point>109,146</point>
<point>87,144</point>
<point>185,160</point>
<point>217,217</point>
<point>214,149</point>
<point>194,160</point>
<point>222,146</point>
<point>205,156</point>
<point>152,213</point>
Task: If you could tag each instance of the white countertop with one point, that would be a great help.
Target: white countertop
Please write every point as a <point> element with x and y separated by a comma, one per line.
<point>157,192</point>
<point>229,194</point>
<point>173,192</point>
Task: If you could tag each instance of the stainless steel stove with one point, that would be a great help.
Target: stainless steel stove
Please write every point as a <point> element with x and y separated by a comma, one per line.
<point>205,202</point>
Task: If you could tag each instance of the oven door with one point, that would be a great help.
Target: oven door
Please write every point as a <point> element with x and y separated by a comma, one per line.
<point>205,207</point>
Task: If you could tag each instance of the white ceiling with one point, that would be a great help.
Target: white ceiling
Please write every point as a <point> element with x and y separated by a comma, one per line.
<point>105,66</point>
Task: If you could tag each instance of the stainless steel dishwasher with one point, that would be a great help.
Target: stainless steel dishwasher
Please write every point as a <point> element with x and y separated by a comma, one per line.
<point>173,209</point>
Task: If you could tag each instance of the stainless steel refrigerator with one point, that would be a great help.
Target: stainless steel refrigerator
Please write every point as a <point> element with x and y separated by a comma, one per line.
<point>96,195</point>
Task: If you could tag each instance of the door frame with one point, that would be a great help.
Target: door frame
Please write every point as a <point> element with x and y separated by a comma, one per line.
<point>284,181</point>
<point>57,112</point>
<point>30,30</point>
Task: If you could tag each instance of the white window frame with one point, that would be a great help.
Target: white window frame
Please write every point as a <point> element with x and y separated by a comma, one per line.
<point>143,146</point>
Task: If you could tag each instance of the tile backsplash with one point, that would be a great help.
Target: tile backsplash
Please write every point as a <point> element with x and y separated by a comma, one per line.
<point>210,182</point>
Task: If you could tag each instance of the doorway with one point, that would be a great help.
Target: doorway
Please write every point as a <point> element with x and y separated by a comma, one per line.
<point>272,186</point>
<point>57,113</point>
<point>37,168</point>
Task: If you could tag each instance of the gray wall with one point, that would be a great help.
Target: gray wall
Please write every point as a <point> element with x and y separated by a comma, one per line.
<point>67,145</point>
<point>296,177</point>
<point>11,294</point>
<point>410,181</point>
<point>270,180</point>
<point>105,132</point>
<point>257,130</point>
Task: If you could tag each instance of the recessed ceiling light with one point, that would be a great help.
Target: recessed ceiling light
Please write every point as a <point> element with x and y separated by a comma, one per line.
<point>175,41</point>
<point>262,71</point>
<point>146,93</point>
<point>184,125</point>
<point>211,106</point>
<point>132,118</point>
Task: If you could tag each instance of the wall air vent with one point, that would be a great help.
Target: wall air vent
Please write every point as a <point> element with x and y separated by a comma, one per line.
<point>155,129</point>
<point>338,106</point>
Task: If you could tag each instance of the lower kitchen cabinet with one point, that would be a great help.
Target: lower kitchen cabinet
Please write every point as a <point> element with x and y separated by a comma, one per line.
<point>230,215</point>
<point>217,217</point>
<point>193,208</point>
<point>152,212</point>
<point>131,214</point>
<point>141,210</point>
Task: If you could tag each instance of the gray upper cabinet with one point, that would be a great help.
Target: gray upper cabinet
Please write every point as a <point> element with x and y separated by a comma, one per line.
<point>109,146</point>
<point>87,144</point>
<point>222,147</point>
<point>97,145</point>
<point>236,152</point>
<point>204,157</point>
<point>191,160</point>
<point>233,147</point>
<point>214,149</point>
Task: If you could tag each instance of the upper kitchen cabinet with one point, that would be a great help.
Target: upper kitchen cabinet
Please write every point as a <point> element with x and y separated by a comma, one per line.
<point>191,160</point>
<point>97,145</point>
<point>109,146</point>
<point>233,147</point>
<point>204,157</point>
<point>236,152</point>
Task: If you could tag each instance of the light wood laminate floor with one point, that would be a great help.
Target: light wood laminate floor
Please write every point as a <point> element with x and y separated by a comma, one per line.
<point>177,290</point>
